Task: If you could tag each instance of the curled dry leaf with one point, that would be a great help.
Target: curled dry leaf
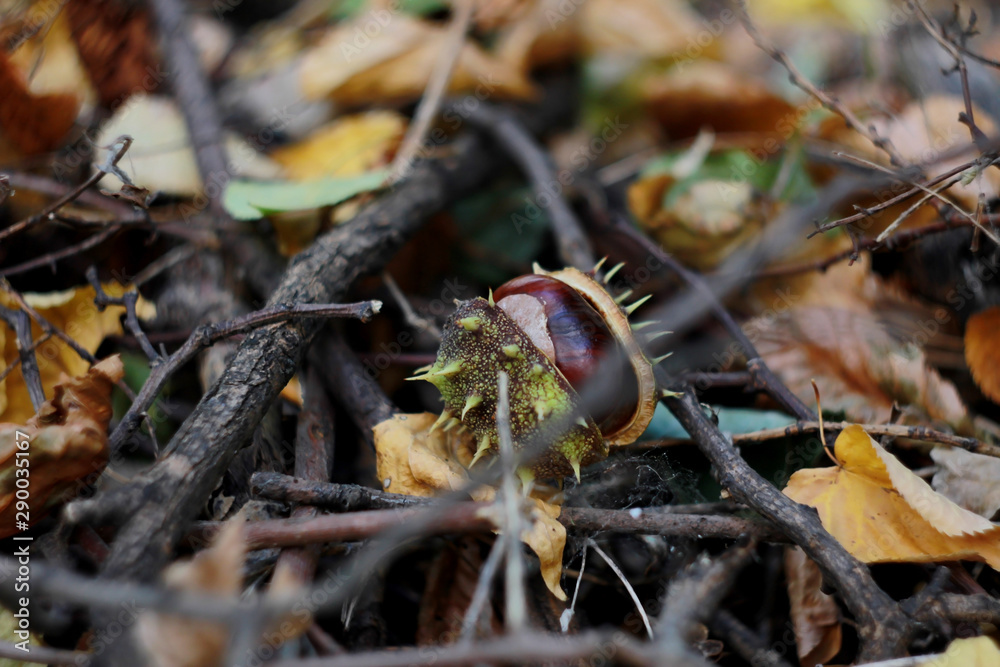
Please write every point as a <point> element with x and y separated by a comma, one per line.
<point>73,312</point>
<point>860,368</point>
<point>395,63</point>
<point>412,459</point>
<point>971,480</point>
<point>883,513</point>
<point>815,615</point>
<point>67,444</point>
<point>982,354</point>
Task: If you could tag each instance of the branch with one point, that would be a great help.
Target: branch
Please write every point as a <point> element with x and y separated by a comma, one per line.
<point>882,626</point>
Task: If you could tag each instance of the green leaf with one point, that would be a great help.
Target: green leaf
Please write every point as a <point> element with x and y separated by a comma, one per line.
<point>249,200</point>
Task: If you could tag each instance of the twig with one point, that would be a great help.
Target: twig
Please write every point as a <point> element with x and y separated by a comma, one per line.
<point>739,638</point>
<point>670,520</point>
<point>526,648</point>
<point>762,376</point>
<point>695,594</point>
<point>922,433</point>
<point>937,32</point>
<point>628,587</point>
<point>313,462</point>
<point>120,145</point>
<point>20,323</point>
<point>194,96</point>
<point>207,334</point>
<point>574,246</point>
<point>50,259</point>
<point>348,382</point>
<point>883,627</point>
<point>41,654</point>
<point>410,315</point>
<point>516,605</point>
<point>437,85</point>
<point>483,586</point>
<point>102,300</point>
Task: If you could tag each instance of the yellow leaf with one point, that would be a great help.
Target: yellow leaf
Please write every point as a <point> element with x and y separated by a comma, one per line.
<point>72,311</point>
<point>860,15</point>
<point>66,442</point>
<point>395,63</point>
<point>348,146</point>
<point>409,459</point>
<point>881,512</point>
<point>971,652</point>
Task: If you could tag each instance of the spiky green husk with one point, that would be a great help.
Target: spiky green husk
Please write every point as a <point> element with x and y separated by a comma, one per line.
<point>468,362</point>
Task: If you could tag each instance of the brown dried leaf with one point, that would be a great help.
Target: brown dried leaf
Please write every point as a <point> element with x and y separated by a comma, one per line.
<point>177,641</point>
<point>67,444</point>
<point>32,123</point>
<point>815,615</point>
<point>451,584</point>
<point>860,368</point>
<point>396,62</point>
<point>982,354</point>
<point>971,480</point>
<point>715,95</point>
<point>116,46</point>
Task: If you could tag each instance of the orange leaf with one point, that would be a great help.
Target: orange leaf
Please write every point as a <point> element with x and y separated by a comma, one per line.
<point>66,441</point>
<point>982,354</point>
<point>881,512</point>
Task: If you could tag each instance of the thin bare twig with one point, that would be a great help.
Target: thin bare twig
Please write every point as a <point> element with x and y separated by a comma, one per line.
<point>514,598</point>
<point>120,146</point>
<point>50,259</point>
<point>20,323</point>
<point>437,85</point>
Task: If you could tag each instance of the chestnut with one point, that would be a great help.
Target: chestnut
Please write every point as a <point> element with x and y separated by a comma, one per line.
<point>550,332</point>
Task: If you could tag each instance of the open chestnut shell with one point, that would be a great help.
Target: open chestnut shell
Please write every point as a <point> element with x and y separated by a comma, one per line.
<point>550,332</point>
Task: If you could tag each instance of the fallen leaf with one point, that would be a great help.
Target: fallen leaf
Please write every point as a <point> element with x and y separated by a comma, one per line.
<point>883,513</point>
<point>451,583</point>
<point>73,312</point>
<point>815,615</point>
<point>161,158</point>
<point>115,43</point>
<point>348,146</point>
<point>250,200</point>
<point>971,480</point>
<point>861,15</point>
<point>413,460</point>
<point>970,652</point>
<point>9,627</point>
<point>861,369</point>
<point>179,641</point>
<point>66,445</point>
<point>708,94</point>
<point>650,29</point>
<point>176,641</point>
<point>33,123</point>
<point>921,133</point>
<point>356,63</point>
<point>981,352</point>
